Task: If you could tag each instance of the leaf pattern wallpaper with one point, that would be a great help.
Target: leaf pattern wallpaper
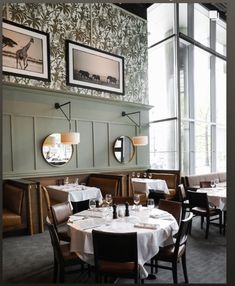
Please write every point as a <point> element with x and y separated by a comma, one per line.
<point>99,25</point>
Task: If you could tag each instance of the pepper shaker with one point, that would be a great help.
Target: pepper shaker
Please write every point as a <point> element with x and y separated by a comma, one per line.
<point>127,209</point>
<point>114,211</point>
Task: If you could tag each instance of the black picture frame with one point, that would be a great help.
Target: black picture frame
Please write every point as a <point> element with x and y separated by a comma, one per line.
<point>92,68</point>
<point>25,51</point>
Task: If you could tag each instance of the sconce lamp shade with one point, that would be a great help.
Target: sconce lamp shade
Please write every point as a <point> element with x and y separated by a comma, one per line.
<point>140,140</point>
<point>50,141</point>
<point>70,138</point>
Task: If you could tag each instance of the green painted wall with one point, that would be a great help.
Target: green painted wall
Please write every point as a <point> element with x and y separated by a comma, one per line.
<point>28,105</point>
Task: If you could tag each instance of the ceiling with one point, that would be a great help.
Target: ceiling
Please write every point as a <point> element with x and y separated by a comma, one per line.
<point>140,9</point>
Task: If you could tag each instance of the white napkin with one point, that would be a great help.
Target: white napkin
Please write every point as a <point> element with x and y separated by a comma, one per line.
<point>160,216</point>
<point>146,225</point>
<point>73,218</point>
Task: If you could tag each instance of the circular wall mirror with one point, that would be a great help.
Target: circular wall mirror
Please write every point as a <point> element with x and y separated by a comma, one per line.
<point>55,153</point>
<point>123,149</point>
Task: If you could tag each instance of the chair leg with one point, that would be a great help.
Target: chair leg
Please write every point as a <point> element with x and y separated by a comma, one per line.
<point>224,223</point>
<point>184,267</point>
<point>220,222</point>
<point>202,221</point>
<point>152,261</point>
<point>174,270</point>
<point>207,226</point>
<point>55,270</point>
<point>156,266</point>
<point>61,274</point>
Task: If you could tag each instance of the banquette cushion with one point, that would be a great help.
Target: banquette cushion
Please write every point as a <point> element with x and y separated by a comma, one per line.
<point>12,205</point>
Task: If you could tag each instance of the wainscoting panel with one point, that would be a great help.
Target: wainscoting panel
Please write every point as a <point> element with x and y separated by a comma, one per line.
<point>101,146</point>
<point>23,143</point>
<point>7,144</point>
<point>85,147</point>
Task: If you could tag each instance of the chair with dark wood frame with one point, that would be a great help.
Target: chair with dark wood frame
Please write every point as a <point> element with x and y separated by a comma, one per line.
<point>200,206</point>
<point>115,255</point>
<point>62,255</point>
<point>172,253</point>
<point>172,207</point>
<point>60,215</point>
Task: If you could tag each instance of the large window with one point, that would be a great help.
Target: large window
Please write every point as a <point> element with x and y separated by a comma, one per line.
<point>191,135</point>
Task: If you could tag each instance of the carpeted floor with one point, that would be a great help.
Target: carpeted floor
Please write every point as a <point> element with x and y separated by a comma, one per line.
<point>29,259</point>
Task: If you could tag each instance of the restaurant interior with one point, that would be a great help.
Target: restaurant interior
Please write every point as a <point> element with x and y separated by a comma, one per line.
<point>114,143</point>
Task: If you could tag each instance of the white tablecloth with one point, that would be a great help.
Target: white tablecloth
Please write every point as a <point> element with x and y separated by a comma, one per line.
<point>216,196</point>
<point>74,193</point>
<point>144,185</point>
<point>149,240</point>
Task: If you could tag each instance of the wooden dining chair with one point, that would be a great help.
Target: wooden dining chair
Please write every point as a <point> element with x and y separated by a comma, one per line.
<point>183,199</point>
<point>200,206</point>
<point>62,255</point>
<point>115,255</point>
<point>172,253</point>
<point>172,207</point>
<point>60,215</point>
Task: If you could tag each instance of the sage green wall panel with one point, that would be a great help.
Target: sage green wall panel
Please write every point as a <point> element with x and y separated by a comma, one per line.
<point>85,147</point>
<point>6,144</point>
<point>23,143</point>
<point>117,130</point>
<point>101,145</point>
<point>45,127</point>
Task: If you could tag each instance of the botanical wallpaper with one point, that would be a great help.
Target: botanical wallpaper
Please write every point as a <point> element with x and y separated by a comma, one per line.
<point>99,25</point>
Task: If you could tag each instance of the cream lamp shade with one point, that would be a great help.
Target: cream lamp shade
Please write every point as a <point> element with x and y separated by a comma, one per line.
<point>70,138</point>
<point>140,140</point>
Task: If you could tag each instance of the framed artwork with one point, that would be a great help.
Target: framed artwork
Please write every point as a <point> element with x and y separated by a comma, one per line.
<point>88,67</point>
<point>25,51</point>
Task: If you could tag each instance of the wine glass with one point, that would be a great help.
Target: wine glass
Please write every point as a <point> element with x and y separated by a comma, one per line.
<point>76,182</point>
<point>138,175</point>
<point>136,200</point>
<point>108,199</point>
<point>216,182</point>
<point>133,174</point>
<point>212,183</point>
<point>66,181</point>
<point>150,175</point>
<point>145,175</point>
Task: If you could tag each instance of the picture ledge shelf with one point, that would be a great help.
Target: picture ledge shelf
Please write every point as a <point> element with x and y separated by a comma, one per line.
<point>74,95</point>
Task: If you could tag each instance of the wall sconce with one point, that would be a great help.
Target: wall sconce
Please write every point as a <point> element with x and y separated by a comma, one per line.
<point>68,137</point>
<point>137,140</point>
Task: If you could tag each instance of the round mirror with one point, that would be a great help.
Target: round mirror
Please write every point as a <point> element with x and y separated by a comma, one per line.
<point>55,153</point>
<point>123,149</point>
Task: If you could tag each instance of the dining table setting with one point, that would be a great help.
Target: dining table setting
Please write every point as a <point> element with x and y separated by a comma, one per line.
<point>154,227</point>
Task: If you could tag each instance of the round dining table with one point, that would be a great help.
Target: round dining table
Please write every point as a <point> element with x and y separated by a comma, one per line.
<point>155,228</point>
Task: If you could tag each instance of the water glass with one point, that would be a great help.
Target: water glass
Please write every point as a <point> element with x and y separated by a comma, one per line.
<point>138,175</point>
<point>121,211</point>
<point>133,174</point>
<point>150,204</point>
<point>145,175</point>
<point>92,204</point>
<point>150,175</point>
<point>216,182</point>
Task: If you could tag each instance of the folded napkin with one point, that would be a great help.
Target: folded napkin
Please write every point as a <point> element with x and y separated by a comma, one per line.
<point>146,225</point>
<point>160,216</point>
<point>73,218</point>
